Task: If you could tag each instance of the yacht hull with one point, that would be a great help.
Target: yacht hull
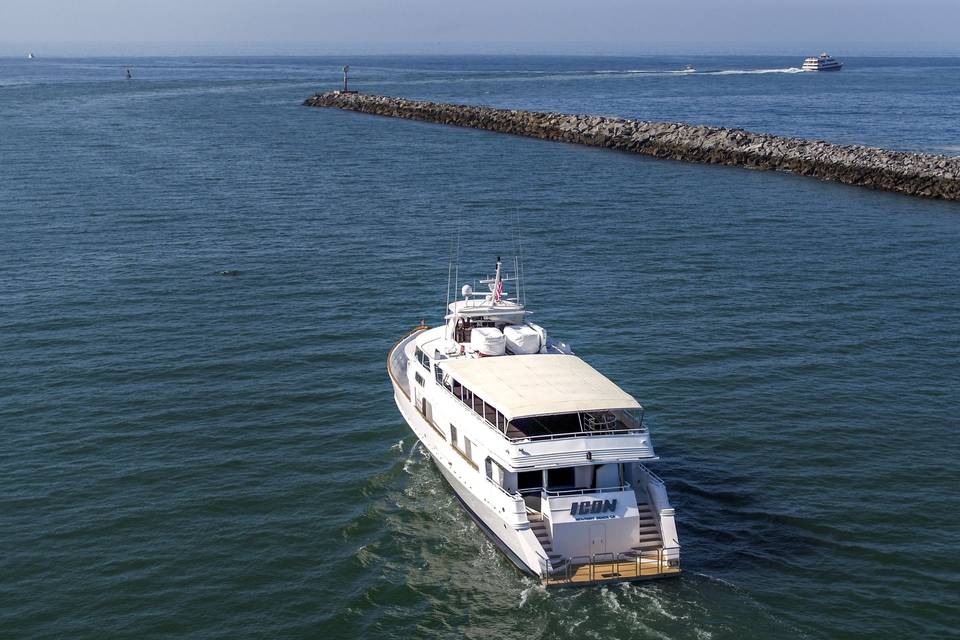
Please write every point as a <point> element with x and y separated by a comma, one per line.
<point>487,531</point>
<point>510,541</point>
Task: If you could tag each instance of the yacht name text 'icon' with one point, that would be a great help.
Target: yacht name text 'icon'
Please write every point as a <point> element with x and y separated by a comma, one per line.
<point>545,453</point>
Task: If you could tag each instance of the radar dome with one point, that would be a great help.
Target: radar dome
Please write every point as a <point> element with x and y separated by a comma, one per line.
<point>467,291</point>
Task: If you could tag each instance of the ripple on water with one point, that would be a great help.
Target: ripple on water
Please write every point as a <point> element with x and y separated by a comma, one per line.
<point>188,454</point>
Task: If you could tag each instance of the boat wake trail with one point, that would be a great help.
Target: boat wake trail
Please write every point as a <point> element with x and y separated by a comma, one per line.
<point>737,72</point>
<point>698,72</point>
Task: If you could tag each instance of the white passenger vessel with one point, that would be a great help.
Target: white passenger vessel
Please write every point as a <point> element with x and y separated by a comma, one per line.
<point>822,63</point>
<point>545,453</point>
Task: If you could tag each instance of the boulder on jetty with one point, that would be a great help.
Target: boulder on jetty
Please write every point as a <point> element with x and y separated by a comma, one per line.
<point>929,176</point>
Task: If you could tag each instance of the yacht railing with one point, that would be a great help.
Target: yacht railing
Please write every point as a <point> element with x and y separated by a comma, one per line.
<point>583,492</point>
<point>515,495</point>
<point>652,475</point>
<point>397,361</point>
<point>579,434</point>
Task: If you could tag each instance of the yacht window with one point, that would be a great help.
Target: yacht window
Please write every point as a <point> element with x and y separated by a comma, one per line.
<point>418,378</point>
<point>561,479</point>
<point>468,448</point>
<point>569,423</point>
<point>486,411</point>
<point>489,413</point>
<point>453,435</point>
<point>422,358</point>
<point>530,480</point>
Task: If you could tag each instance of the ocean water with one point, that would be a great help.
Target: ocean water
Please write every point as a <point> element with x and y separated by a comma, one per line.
<point>187,453</point>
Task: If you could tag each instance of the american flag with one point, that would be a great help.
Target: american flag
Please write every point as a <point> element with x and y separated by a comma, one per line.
<point>499,291</point>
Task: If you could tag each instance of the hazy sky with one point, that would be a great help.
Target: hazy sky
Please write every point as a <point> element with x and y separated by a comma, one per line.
<point>484,25</point>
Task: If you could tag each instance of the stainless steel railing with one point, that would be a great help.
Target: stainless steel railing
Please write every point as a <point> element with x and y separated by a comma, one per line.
<point>611,567</point>
<point>582,492</point>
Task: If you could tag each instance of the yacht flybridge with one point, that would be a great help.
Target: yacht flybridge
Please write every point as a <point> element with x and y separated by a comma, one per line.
<point>545,453</point>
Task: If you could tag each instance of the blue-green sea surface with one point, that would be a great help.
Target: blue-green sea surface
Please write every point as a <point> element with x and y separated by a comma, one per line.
<point>190,454</point>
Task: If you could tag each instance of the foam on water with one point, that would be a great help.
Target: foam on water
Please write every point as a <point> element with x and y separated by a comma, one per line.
<point>737,72</point>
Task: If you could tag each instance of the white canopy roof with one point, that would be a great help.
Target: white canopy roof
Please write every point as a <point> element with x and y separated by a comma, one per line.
<point>538,384</point>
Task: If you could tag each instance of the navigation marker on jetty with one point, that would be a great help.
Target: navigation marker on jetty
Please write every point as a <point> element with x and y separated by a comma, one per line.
<point>346,71</point>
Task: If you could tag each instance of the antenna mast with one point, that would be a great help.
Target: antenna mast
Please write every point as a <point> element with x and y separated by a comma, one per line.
<point>446,307</point>
<point>521,284</point>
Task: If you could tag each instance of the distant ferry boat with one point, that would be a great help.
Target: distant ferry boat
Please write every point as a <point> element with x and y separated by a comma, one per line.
<point>822,63</point>
<point>544,452</point>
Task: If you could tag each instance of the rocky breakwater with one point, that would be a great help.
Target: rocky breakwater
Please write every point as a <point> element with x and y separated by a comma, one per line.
<point>914,174</point>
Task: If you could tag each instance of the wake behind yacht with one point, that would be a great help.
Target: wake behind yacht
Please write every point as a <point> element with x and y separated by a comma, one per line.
<point>544,453</point>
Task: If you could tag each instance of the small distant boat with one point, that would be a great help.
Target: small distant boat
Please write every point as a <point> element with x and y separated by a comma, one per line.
<point>129,75</point>
<point>30,56</point>
<point>822,63</point>
<point>688,69</point>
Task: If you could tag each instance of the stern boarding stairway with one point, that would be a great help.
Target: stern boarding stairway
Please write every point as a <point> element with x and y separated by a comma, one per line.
<point>622,543</point>
<point>648,559</point>
<point>648,540</point>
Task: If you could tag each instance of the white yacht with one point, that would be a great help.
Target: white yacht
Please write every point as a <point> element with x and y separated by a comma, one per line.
<point>822,63</point>
<point>545,453</point>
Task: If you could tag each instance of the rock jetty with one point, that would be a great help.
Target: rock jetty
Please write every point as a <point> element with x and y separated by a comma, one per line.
<point>928,176</point>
